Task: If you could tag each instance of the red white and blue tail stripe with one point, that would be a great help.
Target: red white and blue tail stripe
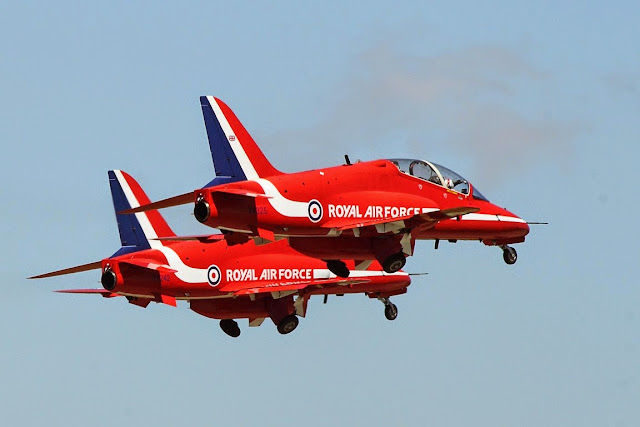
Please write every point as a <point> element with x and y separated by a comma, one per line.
<point>236,156</point>
<point>138,230</point>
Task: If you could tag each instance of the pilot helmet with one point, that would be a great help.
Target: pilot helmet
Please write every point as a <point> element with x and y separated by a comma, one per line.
<point>448,182</point>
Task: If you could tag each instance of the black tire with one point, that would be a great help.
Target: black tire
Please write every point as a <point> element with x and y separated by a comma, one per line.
<point>230,327</point>
<point>394,263</point>
<point>339,268</point>
<point>391,311</point>
<point>288,324</point>
<point>509,255</point>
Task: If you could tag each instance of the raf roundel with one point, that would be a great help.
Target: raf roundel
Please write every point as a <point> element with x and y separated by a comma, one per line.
<point>214,275</point>
<point>315,210</point>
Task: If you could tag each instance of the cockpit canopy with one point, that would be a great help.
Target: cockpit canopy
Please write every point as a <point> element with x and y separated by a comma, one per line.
<point>436,174</point>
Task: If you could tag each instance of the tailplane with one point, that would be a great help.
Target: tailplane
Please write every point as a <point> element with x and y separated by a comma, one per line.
<point>236,156</point>
<point>137,231</point>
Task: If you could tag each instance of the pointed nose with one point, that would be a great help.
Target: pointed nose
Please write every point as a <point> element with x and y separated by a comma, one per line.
<point>517,226</point>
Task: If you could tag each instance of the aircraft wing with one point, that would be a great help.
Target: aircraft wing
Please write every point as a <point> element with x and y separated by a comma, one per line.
<point>349,223</point>
<point>288,285</point>
<point>443,214</point>
<point>384,225</point>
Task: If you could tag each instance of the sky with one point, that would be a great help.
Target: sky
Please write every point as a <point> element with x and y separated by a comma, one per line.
<point>537,104</point>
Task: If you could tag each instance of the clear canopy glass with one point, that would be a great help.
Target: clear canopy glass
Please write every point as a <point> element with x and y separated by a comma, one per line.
<point>436,174</point>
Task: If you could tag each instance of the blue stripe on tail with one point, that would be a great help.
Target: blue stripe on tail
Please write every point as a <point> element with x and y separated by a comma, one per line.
<point>131,234</point>
<point>225,162</point>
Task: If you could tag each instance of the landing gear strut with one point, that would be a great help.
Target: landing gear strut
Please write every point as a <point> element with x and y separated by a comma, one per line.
<point>390,309</point>
<point>230,327</point>
<point>337,267</point>
<point>394,263</point>
<point>509,254</point>
<point>288,324</point>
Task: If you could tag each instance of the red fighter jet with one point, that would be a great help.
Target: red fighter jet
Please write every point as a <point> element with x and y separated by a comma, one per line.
<point>220,281</point>
<point>365,211</point>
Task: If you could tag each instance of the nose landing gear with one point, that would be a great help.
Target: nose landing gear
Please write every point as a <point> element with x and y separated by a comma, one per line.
<point>390,309</point>
<point>509,254</point>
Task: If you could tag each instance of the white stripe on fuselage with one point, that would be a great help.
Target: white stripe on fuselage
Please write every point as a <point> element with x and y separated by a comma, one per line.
<point>238,150</point>
<point>491,217</point>
<point>281,204</point>
<point>295,209</point>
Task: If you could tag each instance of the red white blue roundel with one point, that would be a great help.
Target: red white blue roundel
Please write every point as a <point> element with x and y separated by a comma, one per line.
<point>214,275</point>
<point>314,210</point>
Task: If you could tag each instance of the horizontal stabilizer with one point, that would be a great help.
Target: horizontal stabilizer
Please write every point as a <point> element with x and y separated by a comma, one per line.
<point>103,292</point>
<point>77,269</point>
<point>182,199</point>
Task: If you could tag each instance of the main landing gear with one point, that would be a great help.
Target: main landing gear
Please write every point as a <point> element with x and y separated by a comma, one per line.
<point>390,265</point>
<point>390,309</point>
<point>230,327</point>
<point>288,324</point>
<point>509,254</point>
<point>394,263</point>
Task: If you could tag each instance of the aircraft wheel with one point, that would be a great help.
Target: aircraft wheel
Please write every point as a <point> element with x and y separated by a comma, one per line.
<point>390,311</point>
<point>337,267</point>
<point>394,263</point>
<point>509,255</point>
<point>288,324</point>
<point>230,327</point>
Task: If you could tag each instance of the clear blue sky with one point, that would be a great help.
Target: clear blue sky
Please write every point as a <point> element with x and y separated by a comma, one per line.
<point>537,104</point>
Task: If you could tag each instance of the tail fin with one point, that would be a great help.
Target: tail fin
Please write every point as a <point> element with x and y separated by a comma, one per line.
<point>138,230</point>
<point>236,156</point>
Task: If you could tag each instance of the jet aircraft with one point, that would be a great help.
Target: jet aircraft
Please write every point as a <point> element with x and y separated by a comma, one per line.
<point>373,210</point>
<point>219,280</point>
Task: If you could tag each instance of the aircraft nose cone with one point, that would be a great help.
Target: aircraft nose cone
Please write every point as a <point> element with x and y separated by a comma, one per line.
<point>523,227</point>
<point>518,227</point>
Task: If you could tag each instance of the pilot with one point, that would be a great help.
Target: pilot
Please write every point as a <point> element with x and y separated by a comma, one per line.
<point>448,182</point>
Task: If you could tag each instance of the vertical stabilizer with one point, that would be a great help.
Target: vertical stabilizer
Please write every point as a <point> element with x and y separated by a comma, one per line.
<point>138,230</point>
<point>236,156</point>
